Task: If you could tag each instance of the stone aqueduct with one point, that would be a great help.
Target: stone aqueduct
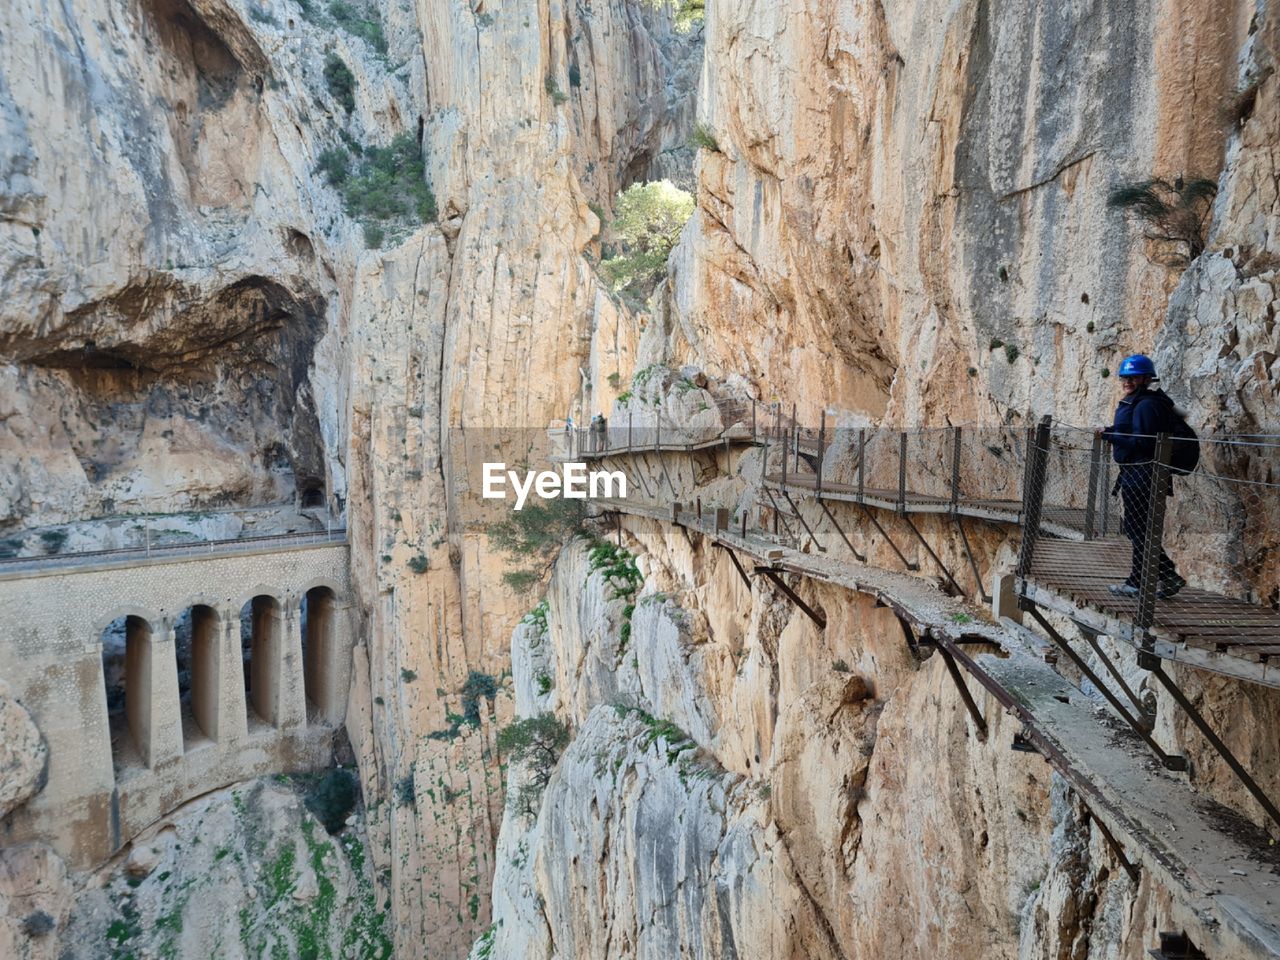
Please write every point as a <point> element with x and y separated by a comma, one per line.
<point>269,700</point>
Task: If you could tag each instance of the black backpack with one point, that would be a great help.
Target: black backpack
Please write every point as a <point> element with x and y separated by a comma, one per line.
<point>1185,455</point>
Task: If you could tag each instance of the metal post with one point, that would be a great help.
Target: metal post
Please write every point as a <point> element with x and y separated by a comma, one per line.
<point>753,418</point>
<point>785,455</point>
<point>1155,539</point>
<point>657,440</point>
<point>955,473</point>
<point>902,473</point>
<point>1106,488</point>
<point>795,430</point>
<point>862,462</point>
<point>822,440</point>
<point>1090,509</point>
<point>1033,494</point>
<point>630,421</point>
<point>146,533</point>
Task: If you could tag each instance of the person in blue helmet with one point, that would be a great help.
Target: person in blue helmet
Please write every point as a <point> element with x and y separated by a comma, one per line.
<point>1142,413</point>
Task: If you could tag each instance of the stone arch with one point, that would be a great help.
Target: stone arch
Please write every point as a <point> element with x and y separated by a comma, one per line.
<point>206,627</point>
<point>262,638</point>
<point>138,673</point>
<point>197,634</point>
<point>125,642</point>
<point>318,615</point>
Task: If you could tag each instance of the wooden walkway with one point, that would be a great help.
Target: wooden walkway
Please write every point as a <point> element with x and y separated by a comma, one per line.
<point>1071,574</point>
<point>1072,578</point>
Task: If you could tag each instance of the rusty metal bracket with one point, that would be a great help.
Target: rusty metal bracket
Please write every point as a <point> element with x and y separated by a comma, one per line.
<point>736,562</point>
<point>804,523</point>
<point>1092,639</point>
<point>779,515</point>
<point>852,549</point>
<point>936,559</point>
<point>962,687</point>
<point>973,564</point>
<point>1216,742</point>
<point>876,523</point>
<point>1114,844</point>
<point>778,582</point>
<point>1170,761</point>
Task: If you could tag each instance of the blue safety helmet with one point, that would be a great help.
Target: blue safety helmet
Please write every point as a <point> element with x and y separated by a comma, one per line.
<point>1138,365</point>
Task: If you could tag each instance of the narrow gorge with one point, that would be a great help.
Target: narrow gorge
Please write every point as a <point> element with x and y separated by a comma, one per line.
<point>831,297</point>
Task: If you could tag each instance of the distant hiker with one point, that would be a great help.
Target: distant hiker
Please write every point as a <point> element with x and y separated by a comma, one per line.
<point>1141,414</point>
<point>597,432</point>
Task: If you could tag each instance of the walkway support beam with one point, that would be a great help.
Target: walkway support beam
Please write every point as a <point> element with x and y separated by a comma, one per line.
<point>811,613</point>
<point>1216,742</point>
<point>1169,761</point>
<point>974,713</point>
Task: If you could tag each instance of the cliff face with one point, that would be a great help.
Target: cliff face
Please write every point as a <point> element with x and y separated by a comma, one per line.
<point>903,216</point>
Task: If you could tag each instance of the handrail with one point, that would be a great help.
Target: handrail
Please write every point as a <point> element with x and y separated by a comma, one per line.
<point>229,545</point>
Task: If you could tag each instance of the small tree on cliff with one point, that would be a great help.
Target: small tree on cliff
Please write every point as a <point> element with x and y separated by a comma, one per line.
<point>533,537</point>
<point>1176,215</point>
<point>539,741</point>
<point>649,219</point>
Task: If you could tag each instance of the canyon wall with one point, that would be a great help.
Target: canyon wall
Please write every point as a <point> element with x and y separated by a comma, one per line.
<point>902,215</point>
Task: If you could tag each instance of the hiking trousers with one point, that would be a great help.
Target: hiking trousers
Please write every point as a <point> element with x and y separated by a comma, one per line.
<point>1137,498</point>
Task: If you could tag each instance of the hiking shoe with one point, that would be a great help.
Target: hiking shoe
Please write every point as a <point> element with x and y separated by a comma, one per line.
<point>1123,589</point>
<point>1170,586</point>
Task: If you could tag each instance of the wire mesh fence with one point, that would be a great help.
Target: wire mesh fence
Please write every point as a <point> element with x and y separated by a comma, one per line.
<point>1188,557</point>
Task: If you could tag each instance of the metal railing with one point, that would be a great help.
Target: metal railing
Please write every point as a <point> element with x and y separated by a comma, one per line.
<point>1152,524</point>
<point>154,551</point>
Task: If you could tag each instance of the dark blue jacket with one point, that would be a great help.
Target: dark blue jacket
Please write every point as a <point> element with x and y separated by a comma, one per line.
<point>1139,417</point>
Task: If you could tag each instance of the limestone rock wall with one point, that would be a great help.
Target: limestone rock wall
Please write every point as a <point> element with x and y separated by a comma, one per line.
<point>905,215</point>
<point>743,789</point>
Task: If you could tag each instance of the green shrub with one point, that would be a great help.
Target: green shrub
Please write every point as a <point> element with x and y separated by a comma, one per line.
<point>407,675</point>
<point>558,96</point>
<point>419,564</point>
<point>380,184</point>
<point>575,75</point>
<point>359,23</point>
<point>335,164</point>
<point>53,540</point>
<point>534,536</point>
<point>406,792</point>
<point>537,741</point>
<point>1011,352</point>
<point>1176,214</point>
<point>545,683</point>
<point>333,798</point>
<point>648,221</point>
<point>537,617</point>
<point>478,686</point>
<point>340,81</point>
<point>703,139</point>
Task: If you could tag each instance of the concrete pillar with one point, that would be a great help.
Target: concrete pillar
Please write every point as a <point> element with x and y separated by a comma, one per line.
<point>232,721</point>
<point>1004,598</point>
<point>288,681</point>
<point>151,692</point>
